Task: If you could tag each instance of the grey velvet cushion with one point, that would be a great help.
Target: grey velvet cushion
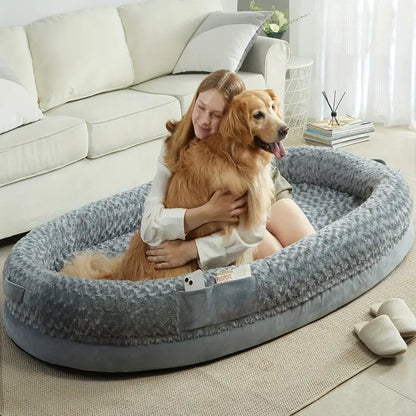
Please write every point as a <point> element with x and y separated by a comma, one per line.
<point>236,32</point>
<point>360,208</point>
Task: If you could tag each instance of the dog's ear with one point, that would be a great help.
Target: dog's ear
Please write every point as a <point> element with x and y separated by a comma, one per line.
<point>273,96</point>
<point>235,124</point>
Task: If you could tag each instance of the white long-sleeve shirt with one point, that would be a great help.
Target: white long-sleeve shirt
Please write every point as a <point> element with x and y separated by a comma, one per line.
<point>160,224</point>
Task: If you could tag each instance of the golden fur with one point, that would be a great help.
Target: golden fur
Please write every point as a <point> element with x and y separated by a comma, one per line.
<point>228,160</point>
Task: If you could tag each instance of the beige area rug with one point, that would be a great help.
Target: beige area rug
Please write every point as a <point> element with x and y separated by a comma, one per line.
<point>276,378</point>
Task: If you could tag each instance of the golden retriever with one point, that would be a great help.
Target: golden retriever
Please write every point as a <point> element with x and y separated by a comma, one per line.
<point>237,158</point>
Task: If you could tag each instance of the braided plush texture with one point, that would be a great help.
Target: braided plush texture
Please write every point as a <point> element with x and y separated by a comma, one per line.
<point>360,209</point>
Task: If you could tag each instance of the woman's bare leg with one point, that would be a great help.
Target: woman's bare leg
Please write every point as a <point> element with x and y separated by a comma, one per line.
<point>267,247</point>
<point>288,223</point>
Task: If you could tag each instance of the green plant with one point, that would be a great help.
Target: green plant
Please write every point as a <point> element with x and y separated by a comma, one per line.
<point>278,23</point>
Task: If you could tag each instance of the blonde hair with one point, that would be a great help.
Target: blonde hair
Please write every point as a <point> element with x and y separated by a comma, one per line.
<point>182,132</point>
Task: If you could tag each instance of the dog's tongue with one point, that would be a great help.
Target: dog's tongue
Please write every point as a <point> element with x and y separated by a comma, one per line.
<point>278,149</point>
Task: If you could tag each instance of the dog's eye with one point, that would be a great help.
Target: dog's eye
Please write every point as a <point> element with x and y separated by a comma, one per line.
<point>273,106</point>
<point>258,115</point>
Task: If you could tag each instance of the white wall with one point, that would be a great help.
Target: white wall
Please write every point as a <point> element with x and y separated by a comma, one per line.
<point>229,5</point>
<point>21,12</point>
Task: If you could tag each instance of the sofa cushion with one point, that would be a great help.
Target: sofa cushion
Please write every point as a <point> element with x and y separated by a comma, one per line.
<point>121,119</point>
<point>79,54</point>
<point>14,50</point>
<point>183,86</point>
<point>17,105</point>
<point>49,144</point>
<point>157,31</point>
<point>235,32</point>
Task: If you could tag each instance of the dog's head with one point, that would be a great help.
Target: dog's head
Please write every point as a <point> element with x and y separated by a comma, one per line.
<point>253,118</point>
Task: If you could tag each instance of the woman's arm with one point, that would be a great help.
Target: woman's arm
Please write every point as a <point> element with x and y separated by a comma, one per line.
<point>222,206</point>
<point>158,223</point>
<point>171,254</point>
<point>211,251</point>
<point>218,250</point>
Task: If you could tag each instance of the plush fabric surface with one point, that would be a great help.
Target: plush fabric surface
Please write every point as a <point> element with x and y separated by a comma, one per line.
<point>361,210</point>
<point>17,104</point>
<point>234,31</point>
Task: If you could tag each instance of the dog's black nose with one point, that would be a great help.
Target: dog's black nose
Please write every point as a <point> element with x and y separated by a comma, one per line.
<point>283,131</point>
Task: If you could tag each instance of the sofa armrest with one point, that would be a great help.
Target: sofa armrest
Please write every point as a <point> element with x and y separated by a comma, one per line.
<point>269,57</point>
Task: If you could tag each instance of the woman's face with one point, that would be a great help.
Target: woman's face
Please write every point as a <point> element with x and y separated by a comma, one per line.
<point>208,111</point>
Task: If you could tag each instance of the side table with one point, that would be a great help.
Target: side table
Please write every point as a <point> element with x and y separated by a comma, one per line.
<point>297,93</point>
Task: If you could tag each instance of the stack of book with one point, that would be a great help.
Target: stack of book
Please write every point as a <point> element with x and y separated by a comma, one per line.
<point>350,130</point>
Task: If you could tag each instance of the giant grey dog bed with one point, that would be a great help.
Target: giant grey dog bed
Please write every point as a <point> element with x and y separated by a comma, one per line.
<point>360,208</point>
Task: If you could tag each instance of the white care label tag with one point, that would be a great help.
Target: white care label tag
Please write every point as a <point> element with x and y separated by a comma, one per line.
<point>194,281</point>
<point>223,277</point>
<point>239,272</point>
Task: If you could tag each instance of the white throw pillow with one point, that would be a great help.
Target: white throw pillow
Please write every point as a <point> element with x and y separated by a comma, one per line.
<point>17,106</point>
<point>221,42</point>
<point>157,32</point>
<point>79,54</point>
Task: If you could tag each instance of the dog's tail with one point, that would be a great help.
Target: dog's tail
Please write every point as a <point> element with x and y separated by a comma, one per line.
<point>93,265</point>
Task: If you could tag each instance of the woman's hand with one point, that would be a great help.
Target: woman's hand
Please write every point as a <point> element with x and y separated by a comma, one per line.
<point>172,254</point>
<point>222,206</point>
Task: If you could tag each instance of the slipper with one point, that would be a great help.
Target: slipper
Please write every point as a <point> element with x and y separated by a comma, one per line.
<point>381,336</point>
<point>400,314</point>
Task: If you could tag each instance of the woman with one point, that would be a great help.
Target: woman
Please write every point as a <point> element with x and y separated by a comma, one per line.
<point>165,229</point>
